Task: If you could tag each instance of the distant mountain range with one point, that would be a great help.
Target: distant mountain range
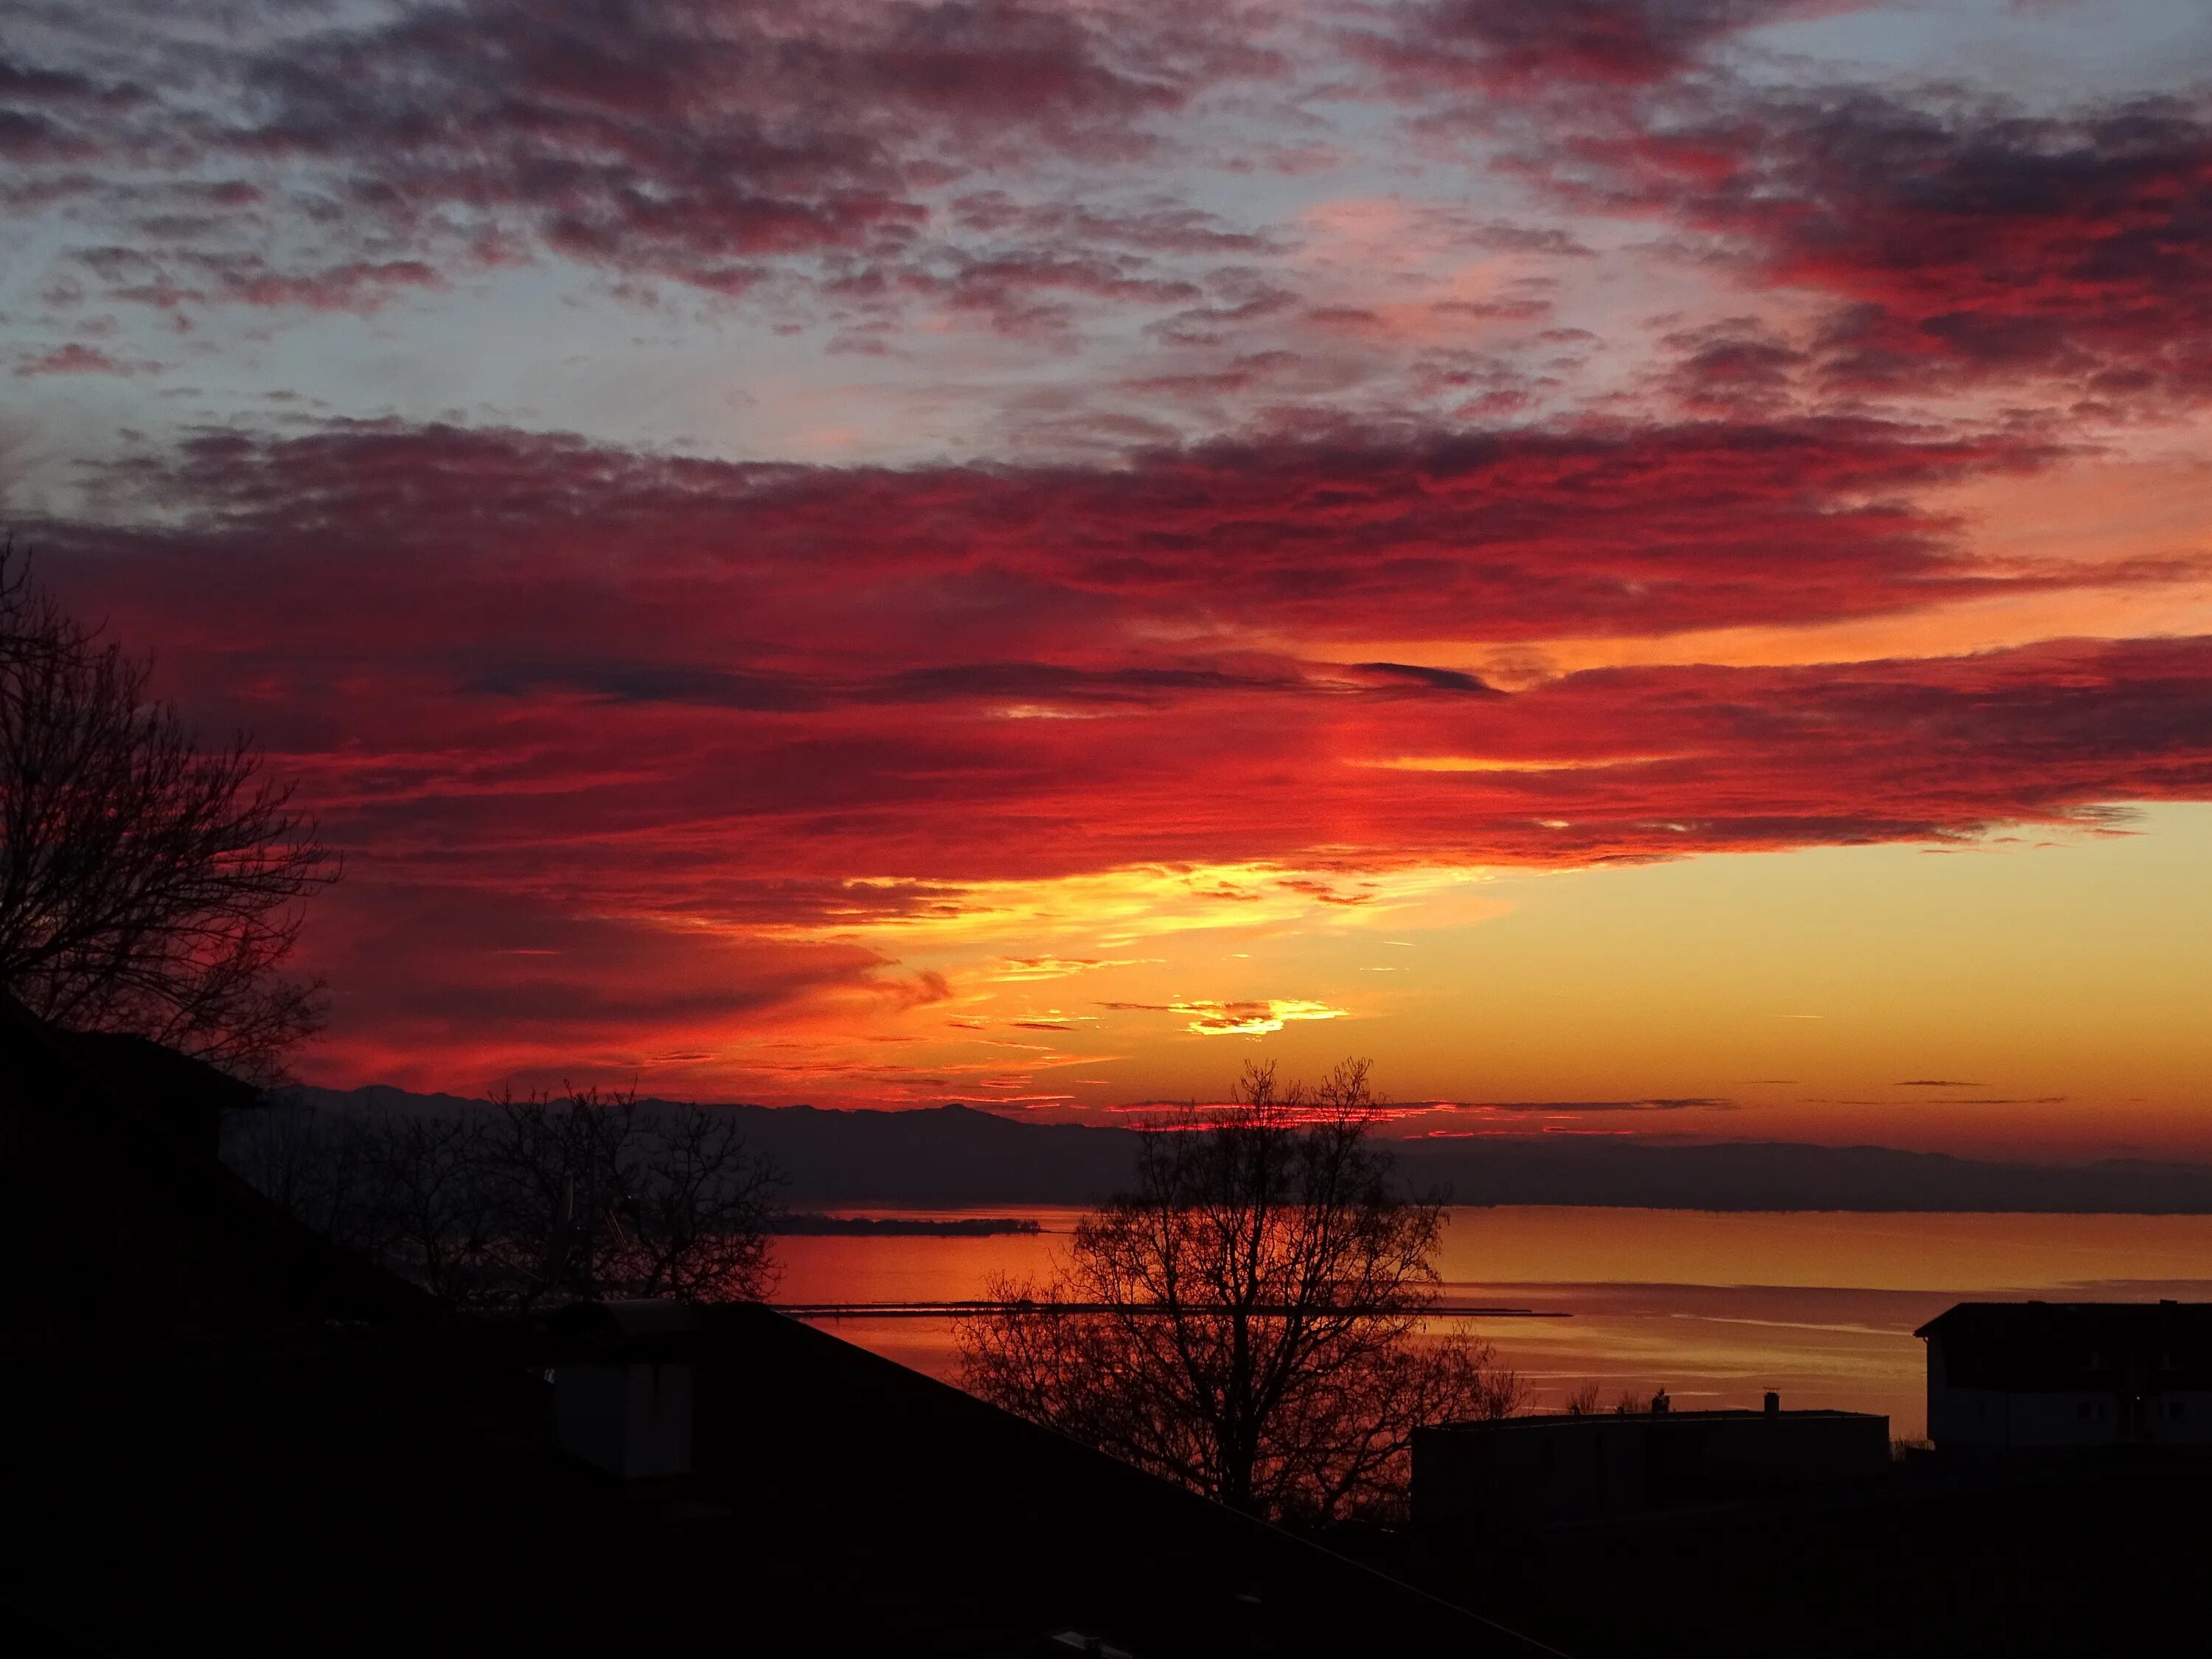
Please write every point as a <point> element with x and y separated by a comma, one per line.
<point>955,1155</point>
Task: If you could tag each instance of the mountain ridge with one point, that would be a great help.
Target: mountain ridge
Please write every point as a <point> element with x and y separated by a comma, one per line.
<point>949,1155</point>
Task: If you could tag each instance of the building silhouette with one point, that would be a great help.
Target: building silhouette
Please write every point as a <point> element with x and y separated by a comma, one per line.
<point>2015,1377</point>
<point>1520,1472</point>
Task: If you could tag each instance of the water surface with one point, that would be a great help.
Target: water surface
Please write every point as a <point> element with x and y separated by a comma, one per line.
<point>1716,1308</point>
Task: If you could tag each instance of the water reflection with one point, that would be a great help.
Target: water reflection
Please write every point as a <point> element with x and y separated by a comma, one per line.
<point>1719,1308</point>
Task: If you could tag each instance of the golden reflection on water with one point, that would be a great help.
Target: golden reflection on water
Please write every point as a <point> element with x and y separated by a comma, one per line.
<point>1717,1307</point>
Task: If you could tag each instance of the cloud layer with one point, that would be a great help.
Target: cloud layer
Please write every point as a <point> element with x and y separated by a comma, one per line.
<point>336,157</point>
<point>1051,173</point>
<point>483,640</point>
<point>1956,236</point>
<point>726,507</point>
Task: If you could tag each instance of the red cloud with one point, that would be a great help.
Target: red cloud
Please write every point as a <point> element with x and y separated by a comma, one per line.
<point>811,147</point>
<point>478,639</point>
<point>1599,528</point>
<point>662,138</point>
<point>77,358</point>
<point>585,720</point>
<point>1960,239</point>
<point>1536,45</point>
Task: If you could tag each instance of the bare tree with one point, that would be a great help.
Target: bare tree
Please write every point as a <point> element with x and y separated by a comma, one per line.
<point>1251,1319</point>
<point>321,1167</point>
<point>552,1169</point>
<point>435,1221</point>
<point>597,1197</point>
<point>542,1200</point>
<point>146,885</point>
<point>692,1211</point>
<point>408,1192</point>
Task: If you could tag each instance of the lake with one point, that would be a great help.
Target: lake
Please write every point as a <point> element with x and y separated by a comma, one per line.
<point>1717,1307</point>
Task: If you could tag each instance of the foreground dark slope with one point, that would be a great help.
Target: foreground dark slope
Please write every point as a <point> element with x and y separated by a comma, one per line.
<point>248,1441</point>
<point>956,1155</point>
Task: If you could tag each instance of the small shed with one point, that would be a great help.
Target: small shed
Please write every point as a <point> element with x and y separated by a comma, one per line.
<point>624,1377</point>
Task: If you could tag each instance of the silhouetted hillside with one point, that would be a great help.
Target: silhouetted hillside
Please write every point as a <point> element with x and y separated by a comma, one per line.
<point>940,1155</point>
<point>952,1155</point>
<point>1785,1176</point>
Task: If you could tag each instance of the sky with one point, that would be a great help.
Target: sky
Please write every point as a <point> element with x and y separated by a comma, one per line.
<point>1645,563</point>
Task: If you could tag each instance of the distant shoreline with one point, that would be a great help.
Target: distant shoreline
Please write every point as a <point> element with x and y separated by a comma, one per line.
<point>809,1225</point>
<point>989,1226</point>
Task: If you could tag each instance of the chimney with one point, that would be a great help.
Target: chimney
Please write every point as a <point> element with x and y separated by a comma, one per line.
<point>1773,1403</point>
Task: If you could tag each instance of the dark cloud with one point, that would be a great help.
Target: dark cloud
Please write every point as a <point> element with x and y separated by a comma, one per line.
<point>861,165</point>
<point>490,652</point>
<point>177,278</point>
<point>1323,892</point>
<point>1960,239</point>
<point>78,358</point>
<point>1536,46</point>
<point>1736,368</point>
<point>1020,682</point>
<point>662,139</point>
<point>1164,227</point>
<point>1596,528</point>
<point>485,976</point>
<point>1961,1100</point>
<point>1030,292</point>
<point>1434,679</point>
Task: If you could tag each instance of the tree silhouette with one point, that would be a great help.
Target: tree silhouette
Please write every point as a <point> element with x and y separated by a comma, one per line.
<point>599,1197</point>
<point>530,1201</point>
<point>1248,1319</point>
<point>146,885</point>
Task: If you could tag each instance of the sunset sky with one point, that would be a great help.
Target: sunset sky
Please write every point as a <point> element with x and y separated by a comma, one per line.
<point>1646,563</point>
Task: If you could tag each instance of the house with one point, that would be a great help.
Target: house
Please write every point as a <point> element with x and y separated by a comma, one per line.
<point>111,1185</point>
<point>2069,1377</point>
<point>1555,1469</point>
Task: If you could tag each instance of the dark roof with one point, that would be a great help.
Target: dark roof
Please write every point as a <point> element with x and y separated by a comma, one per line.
<point>644,1330</point>
<point>2067,1320</point>
<point>2074,1347</point>
<point>108,1142</point>
<point>361,1490</point>
<point>282,1448</point>
<point>187,1093</point>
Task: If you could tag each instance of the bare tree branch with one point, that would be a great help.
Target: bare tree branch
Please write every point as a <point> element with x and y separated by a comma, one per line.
<point>544,1200</point>
<point>1266,1289</point>
<point>146,885</point>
